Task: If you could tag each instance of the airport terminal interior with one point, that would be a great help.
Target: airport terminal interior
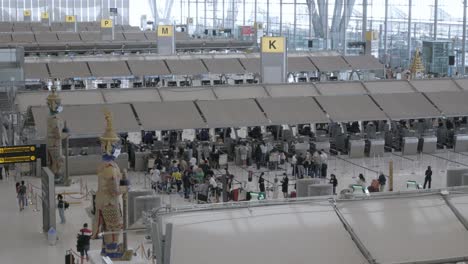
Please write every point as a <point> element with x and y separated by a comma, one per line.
<point>233,131</point>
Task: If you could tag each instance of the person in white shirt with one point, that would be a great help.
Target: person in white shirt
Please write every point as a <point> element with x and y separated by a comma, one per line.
<point>214,188</point>
<point>193,161</point>
<point>264,149</point>
<point>293,165</point>
<point>275,188</point>
<point>155,178</point>
<point>323,161</point>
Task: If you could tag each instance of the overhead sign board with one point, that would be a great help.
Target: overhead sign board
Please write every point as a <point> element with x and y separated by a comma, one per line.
<point>106,23</point>
<point>27,13</point>
<point>165,31</point>
<point>45,15</point>
<point>113,11</point>
<point>273,44</point>
<point>21,154</point>
<point>70,19</point>
<point>17,149</point>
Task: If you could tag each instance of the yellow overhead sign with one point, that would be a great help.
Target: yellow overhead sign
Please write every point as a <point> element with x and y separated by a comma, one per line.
<point>165,31</point>
<point>106,23</point>
<point>17,149</point>
<point>17,159</point>
<point>70,19</point>
<point>273,44</point>
<point>27,13</point>
<point>45,15</point>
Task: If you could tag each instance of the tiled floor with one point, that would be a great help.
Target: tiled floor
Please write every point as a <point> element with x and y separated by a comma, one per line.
<point>23,242</point>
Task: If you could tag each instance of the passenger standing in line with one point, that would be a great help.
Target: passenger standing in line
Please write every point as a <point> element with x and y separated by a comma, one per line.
<point>61,208</point>
<point>382,181</point>
<point>334,182</point>
<point>275,188</point>
<point>285,185</point>
<point>186,180</point>
<point>294,165</point>
<point>22,196</point>
<point>177,178</point>
<point>324,161</point>
<point>264,150</point>
<point>428,178</point>
<point>261,183</point>
<point>300,166</point>
<point>318,164</point>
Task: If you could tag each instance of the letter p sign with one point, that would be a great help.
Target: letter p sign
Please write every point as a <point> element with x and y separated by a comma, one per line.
<point>106,23</point>
<point>273,44</point>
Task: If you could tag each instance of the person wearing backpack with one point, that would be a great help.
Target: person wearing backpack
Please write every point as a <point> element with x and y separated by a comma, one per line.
<point>62,205</point>
<point>21,196</point>
<point>83,242</point>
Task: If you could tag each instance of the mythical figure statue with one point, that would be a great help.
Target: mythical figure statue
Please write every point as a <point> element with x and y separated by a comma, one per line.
<point>55,158</point>
<point>108,216</point>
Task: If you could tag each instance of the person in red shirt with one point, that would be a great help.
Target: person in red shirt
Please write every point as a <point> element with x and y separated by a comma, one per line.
<point>83,243</point>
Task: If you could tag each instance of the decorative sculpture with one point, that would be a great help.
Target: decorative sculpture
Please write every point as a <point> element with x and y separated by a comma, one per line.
<point>55,158</point>
<point>417,67</point>
<point>108,217</point>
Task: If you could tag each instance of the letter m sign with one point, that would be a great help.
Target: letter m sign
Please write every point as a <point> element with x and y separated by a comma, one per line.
<point>165,31</point>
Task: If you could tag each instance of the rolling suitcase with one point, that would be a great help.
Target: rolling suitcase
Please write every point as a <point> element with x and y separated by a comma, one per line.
<point>293,195</point>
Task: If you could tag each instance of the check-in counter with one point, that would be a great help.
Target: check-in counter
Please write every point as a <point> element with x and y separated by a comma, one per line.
<point>410,146</point>
<point>87,164</point>
<point>376,147</point>
<point>141,159</point>
<point>357,148</point>
<point>461,143</point>
<point>325,145</point>
<point>428,144</point>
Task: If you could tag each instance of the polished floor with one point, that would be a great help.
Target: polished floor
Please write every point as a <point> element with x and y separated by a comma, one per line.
<point>23,242</point>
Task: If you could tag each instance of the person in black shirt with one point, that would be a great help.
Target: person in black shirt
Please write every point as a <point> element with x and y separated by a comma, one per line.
<point>61,205</point>
<point>284,185</point>
<point>334,182</point>
<point>428,178</point>
<point>382,181</point>
<point>261,183</point>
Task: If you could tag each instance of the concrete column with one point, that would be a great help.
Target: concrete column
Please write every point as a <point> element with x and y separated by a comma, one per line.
<point>385,32</point>
<point>436,15</point>
<point>295,25</point>
<point>410,7</point>
<point>310,20</point>
<point>464,38</point>
<point>364,19</point>
<point>243,13</point>
<point>281,18</point>
<point>345,17</point>
<point>255,22</point>
<point>326,25</point>
<point>268,18</point>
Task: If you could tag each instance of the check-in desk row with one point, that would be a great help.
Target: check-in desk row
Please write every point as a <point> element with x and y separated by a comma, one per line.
<point>428,144</point>
<point>359,148</point>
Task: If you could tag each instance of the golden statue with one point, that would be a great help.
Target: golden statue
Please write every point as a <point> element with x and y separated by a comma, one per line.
<point>108,216</point>
<point>417,67</point>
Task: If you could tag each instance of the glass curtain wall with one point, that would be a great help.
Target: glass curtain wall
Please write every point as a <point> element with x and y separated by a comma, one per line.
<point>84,10</point>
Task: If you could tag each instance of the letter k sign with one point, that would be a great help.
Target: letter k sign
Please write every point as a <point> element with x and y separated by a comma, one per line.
<point>273,44</point>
